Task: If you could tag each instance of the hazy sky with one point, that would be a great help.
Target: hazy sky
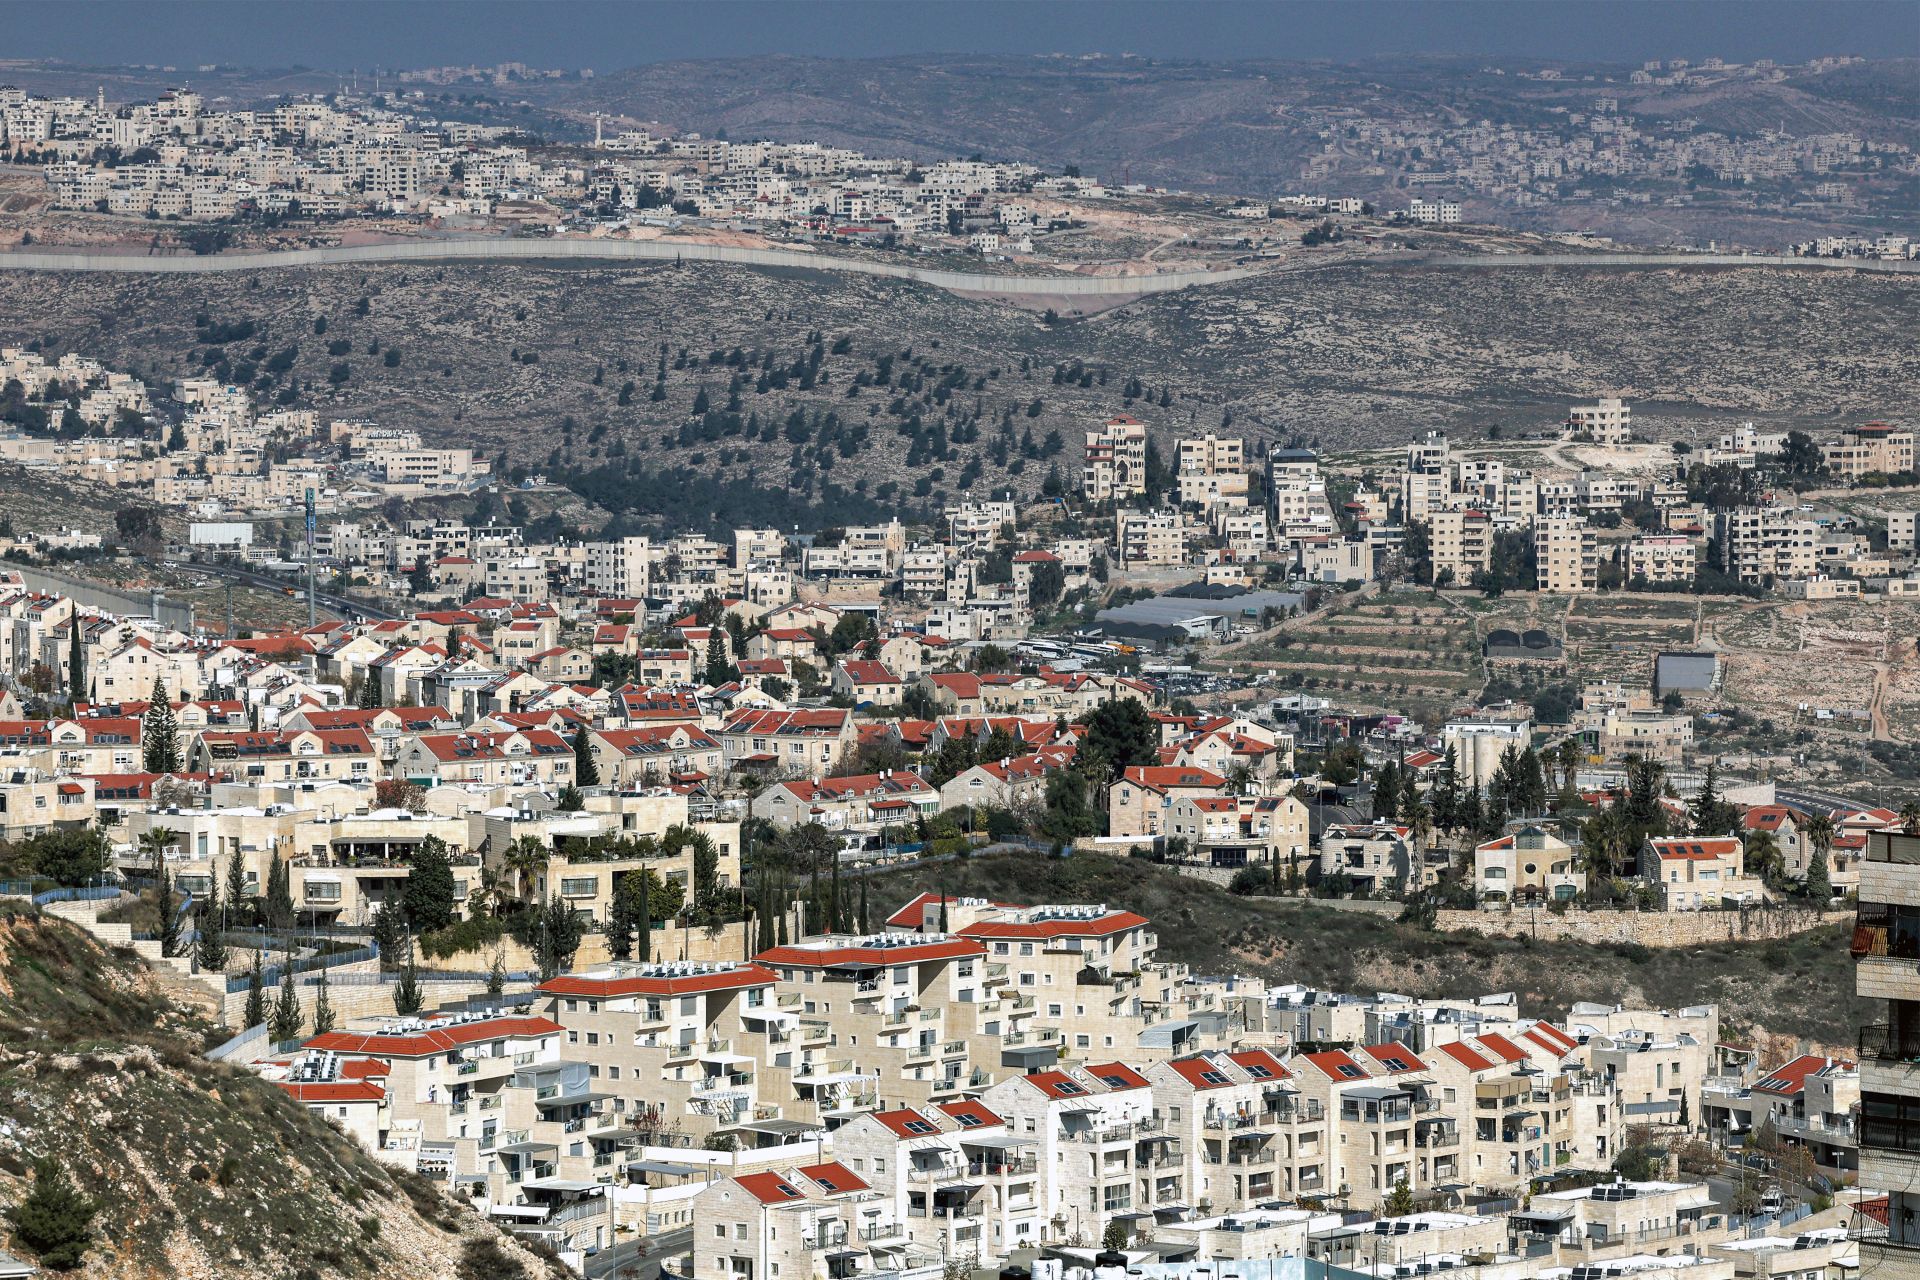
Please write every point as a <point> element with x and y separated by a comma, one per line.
<point>342,34</point>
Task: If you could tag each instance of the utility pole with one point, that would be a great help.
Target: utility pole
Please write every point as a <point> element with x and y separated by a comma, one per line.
<point>229,631</point>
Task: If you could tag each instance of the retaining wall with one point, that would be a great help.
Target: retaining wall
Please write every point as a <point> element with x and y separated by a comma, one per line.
<point>1648,928</point>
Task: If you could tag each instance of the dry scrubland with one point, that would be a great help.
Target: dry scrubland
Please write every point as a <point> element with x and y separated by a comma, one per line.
<point>505,356</point>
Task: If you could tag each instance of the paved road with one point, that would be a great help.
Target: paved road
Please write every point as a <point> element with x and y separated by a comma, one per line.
<point>548,250</point>
<point>1815,801</point>
<point>623,1260</point>
<point>341,606</point>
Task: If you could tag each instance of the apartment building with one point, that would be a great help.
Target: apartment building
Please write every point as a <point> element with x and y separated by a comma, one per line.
<point>1662,558</point>
<point>1150,539</point>
<point>1759,545</point>
<point>1566,553</point>
<point>1872,448</point>
<point>1116,464</point>
<point>1212,471</point>
<point>1528,864</point>
<point>1607,421</point>
<point>1461,543</point>
<point>1885,944</point>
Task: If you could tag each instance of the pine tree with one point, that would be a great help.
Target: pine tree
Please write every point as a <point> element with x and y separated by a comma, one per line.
<point>322,1007</point>
<point>256,1010</point>
<point>76,662</point>
<point>55,1220</point>
<point>370,691</point>
<point>586,773</point>
<point>160,734</point>
<point>287,1016</point>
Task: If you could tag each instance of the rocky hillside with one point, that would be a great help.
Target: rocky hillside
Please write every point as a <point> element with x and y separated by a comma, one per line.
<point>690,394</point>
<point>198,1169</point>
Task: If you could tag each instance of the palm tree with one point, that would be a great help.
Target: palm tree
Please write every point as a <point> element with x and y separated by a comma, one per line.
<point>1819,831</point>
<point>1910,818</point>
<point>525,857</point>
<point>490,895</point>
<point>1765,860</point>
<point>154,842</point>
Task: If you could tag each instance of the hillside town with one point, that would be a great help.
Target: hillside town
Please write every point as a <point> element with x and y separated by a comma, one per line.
<point>546,885</point>
<point>394,161</point>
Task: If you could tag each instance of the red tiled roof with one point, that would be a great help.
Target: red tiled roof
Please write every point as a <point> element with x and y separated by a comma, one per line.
<point>970,1113</point>
<point>907,1123</point>
<point>432,1040</point>
<point>1112,922</point>
<point>834,1178</point>
<point>770,1188</point>
<point>1337,1064</point>
<point>1792,1078</point>
<point>1395,1057</point>
<point>1465,1056</point>
<point>335,1091</point>
<point>815,958</point>
<point>1505,1048</point>
<point>1117,1076</point>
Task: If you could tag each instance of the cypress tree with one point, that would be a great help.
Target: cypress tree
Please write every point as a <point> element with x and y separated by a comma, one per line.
<point>76,661</point>
<point>279,905</point>
<point>643,923</point>
<point>256,1010</point>
<point>586,773</point>
<point>866,921</point>
<point>1819,879</point>
<point>619,926</point>
<point>169,932</point>
<point>211,951</point>
<point>406,992</point>
<point>236,880</point>
<point>287,1015</point>
<point>322,1007</point>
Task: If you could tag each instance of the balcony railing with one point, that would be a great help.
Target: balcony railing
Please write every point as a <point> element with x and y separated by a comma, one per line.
<point>1884,1042</point>
<point>1002,1168</point>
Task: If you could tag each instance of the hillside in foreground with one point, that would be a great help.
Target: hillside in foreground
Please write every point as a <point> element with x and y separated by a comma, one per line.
<point>198,1169</point>
<point>1792,989</point>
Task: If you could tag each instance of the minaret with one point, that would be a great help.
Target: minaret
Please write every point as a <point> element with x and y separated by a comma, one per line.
<point>596,132</point>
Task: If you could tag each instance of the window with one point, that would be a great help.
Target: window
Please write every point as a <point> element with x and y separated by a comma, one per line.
<point>1214,1077</point>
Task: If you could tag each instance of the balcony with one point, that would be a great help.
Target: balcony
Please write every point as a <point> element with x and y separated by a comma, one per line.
<point>1882,1042</point>
<point>1002,1168</point>
<point>1260,1157</point>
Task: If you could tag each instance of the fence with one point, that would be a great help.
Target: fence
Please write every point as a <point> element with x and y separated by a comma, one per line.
<point>240,1046</point>
<point>16,888</point>
<point>99,893</point>
<point>270,975</point>
<point>391,976</point>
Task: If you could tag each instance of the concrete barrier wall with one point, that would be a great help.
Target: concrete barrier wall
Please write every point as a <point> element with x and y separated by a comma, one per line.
<point>616,251</point>
<point>1667,260</point>
<point>94,595</point>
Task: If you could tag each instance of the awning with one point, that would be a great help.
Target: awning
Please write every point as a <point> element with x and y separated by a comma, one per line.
<point>524,1148</point>
<point>996,1142</point>
<point>780,1016</point>
<point>518,1210</point>
<point>478,1179</point>
<point>562,1184</point>
<point>963,1188</point>
<point>1244,1135</point>
<point>1169,1208</point>
<point>1168,1137</point>
<point>666,1168</point>
<point>1081,1109</point>
<point>833,1077</point>
<point>570,1099</point>
<point>781,1127</point>
<point>1131,1217</point>
<point>1026,1056</point>
<point>1374,1093</point>
<point>724,1058</point>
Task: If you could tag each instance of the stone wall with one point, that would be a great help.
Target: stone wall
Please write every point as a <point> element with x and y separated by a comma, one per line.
<point>1648,928</point>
